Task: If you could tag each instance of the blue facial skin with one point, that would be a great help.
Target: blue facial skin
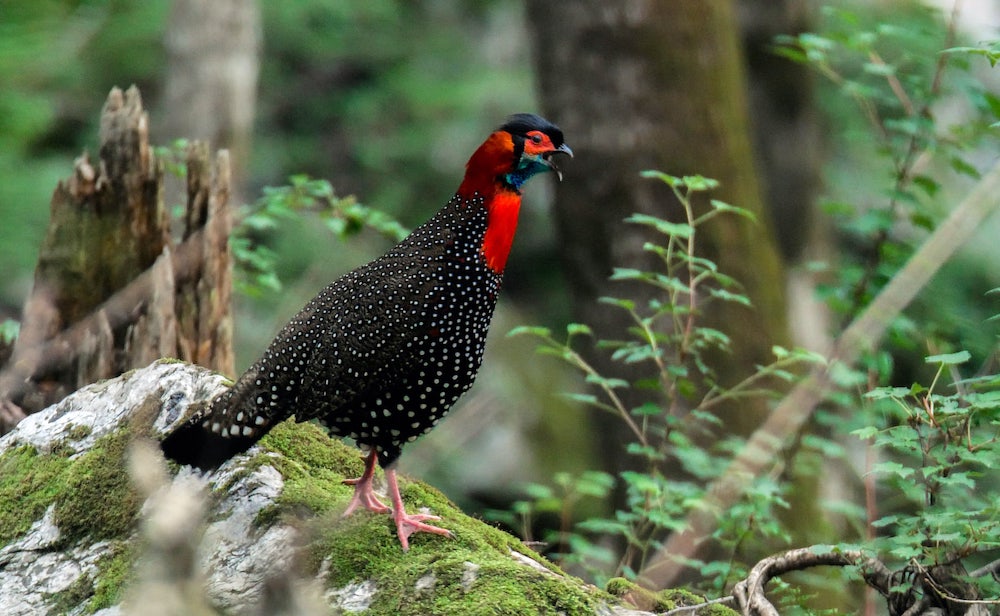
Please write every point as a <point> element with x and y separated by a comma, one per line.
<point>529,165</point>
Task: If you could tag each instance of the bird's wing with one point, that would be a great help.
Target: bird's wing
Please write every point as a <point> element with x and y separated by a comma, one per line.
<point>376,337</point>
<point>360,331</point>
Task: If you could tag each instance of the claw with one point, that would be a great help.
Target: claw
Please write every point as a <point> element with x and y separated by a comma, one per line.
<point>406,524</point>
<point>364,495</point>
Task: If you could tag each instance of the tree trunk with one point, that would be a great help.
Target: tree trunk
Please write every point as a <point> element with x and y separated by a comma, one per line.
<point>210,87</point>
<point>112,292</point>
<point>656,86</point>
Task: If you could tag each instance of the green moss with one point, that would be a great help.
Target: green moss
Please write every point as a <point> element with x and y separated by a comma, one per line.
<point>364,546</point>
<point>170,360</point>
<point>114,572</point>
<point>308,444</point>
<point>32,482</point>
<point>92,499</point>
<point>664,600</point>
<point>78,432</point>
<point>313,466</point>
<point>98,500</point>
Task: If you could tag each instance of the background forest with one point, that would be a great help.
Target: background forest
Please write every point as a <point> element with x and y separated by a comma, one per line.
<point>837,135</point>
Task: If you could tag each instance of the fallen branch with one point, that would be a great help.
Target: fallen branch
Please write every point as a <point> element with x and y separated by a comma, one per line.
<point>749,593</point>
<point>914,589</point>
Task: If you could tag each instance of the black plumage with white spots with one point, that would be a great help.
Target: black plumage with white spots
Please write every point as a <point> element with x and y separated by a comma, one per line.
<point>379,356</point>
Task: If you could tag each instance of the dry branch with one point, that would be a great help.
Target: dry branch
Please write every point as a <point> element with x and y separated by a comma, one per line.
<point>749,593</point>
<point>914,589</point>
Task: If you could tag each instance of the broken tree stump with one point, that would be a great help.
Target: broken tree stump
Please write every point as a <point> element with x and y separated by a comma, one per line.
<point>113,290</point>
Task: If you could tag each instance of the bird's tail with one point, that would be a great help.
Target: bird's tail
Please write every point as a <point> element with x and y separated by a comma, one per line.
<point>231,423</point>
<point>196,444</point>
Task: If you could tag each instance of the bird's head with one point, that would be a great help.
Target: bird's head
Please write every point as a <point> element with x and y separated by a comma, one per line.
<point>535,141</point>
<point>523,146</point>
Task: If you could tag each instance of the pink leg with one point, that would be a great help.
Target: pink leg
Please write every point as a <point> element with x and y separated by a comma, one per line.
<point>407,524</point>
<point>363,494</point>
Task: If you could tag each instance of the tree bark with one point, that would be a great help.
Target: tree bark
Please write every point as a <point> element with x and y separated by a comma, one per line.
<point>210,88</point>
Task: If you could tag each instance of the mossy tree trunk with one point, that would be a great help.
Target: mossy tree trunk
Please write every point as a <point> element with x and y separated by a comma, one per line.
<point>112,291</point>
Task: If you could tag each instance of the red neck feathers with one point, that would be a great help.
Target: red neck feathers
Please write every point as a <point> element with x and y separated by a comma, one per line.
<point>490,162</point>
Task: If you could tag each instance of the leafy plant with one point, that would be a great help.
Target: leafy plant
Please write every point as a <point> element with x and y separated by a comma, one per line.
<point>930,505</point>
<point>936,453</point>
<point>673,431</point>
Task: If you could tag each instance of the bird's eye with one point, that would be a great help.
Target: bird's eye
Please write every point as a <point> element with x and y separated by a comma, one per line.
<point>536,138</point>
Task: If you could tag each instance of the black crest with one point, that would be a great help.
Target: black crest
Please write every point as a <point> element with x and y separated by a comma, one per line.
<point>520,124</point>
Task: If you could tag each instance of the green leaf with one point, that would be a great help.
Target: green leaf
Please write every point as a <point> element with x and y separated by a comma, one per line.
<point>885,521</point>
<point>893,468</point>
<point>537,491</point>
<point>659,175</point>
<point>610,383</point>
<point>530,330</point>
<point>865,433</point>
<point>647,408</point>
<point>730,297</point>
<point>927,184</point>
<point>681,230</point>
<point>879,69</point>
<point>949,359</point>
<point>722,206</point>
<point>602,526</point>
<point>699,183</point>
<point>646,451</point>
<point>595,483</point>
<point>578,329</point>
<point>627,273</point>
<point>626,304</point>
<point>590,399</point>
<point>9,329</point>
<point>963,167</point>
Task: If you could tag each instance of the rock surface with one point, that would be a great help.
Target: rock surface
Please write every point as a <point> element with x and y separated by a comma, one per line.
<point>92,522</point>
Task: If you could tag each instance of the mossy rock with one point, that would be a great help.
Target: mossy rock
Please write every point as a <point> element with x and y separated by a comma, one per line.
<point>274,511</point>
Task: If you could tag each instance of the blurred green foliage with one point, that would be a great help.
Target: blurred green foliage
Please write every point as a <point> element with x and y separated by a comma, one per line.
<point>384,98</point>
<point>48,106</point>
<point>914,110</point>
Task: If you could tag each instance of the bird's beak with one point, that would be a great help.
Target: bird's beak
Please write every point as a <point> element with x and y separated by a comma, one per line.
<point>547,157</point>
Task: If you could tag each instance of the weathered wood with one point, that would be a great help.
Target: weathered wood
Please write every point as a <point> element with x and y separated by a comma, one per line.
<point>111,291</point>
<point>204,302</point>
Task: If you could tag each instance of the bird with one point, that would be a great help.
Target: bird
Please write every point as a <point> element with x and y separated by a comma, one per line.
<point>382,354</point>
